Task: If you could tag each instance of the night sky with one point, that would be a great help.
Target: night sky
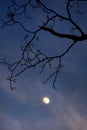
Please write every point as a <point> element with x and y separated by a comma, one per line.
<point>23,109</point>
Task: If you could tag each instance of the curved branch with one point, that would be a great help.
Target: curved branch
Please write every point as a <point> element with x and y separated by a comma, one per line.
<point>31,57</point>
<point>68,36</point>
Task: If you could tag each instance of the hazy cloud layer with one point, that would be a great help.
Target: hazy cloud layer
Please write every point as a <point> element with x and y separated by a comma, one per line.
<point>67,118</point>
<point>23,108</point>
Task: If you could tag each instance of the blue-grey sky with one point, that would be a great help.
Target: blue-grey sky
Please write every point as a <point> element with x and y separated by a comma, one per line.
<point>23,108</point>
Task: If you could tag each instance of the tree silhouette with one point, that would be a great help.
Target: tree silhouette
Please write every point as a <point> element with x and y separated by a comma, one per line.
<point>48,20</point>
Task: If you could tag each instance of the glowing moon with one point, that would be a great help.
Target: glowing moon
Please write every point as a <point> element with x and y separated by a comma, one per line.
<point>46,100</point>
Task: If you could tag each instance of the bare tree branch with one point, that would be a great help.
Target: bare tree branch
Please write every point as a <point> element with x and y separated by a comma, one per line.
<point>32,57</point>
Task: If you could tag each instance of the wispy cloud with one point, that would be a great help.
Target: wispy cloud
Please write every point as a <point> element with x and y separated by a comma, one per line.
<point>8,122</point>
<point>61,116</point>
<point>76,121</point>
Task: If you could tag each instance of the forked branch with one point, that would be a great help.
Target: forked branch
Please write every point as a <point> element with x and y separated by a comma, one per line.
<point>32,57</point>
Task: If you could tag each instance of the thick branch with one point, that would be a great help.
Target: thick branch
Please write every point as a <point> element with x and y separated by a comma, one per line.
<point>68,36</point>
<point>31,57</point>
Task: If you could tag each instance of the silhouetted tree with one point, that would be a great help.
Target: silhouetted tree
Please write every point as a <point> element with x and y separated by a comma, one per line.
<point>36,17</point>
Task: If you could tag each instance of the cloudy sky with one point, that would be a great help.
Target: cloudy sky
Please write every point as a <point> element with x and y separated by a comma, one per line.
<point>23,108</point>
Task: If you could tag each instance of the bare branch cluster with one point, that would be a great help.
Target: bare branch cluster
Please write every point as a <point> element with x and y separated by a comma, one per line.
<point>31,57</point>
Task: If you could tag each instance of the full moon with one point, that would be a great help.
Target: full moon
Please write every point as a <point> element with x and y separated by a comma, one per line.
<point>46,100</point>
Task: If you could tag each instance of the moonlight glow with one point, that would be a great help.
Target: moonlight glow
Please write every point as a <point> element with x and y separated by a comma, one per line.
<point>46,100</point>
